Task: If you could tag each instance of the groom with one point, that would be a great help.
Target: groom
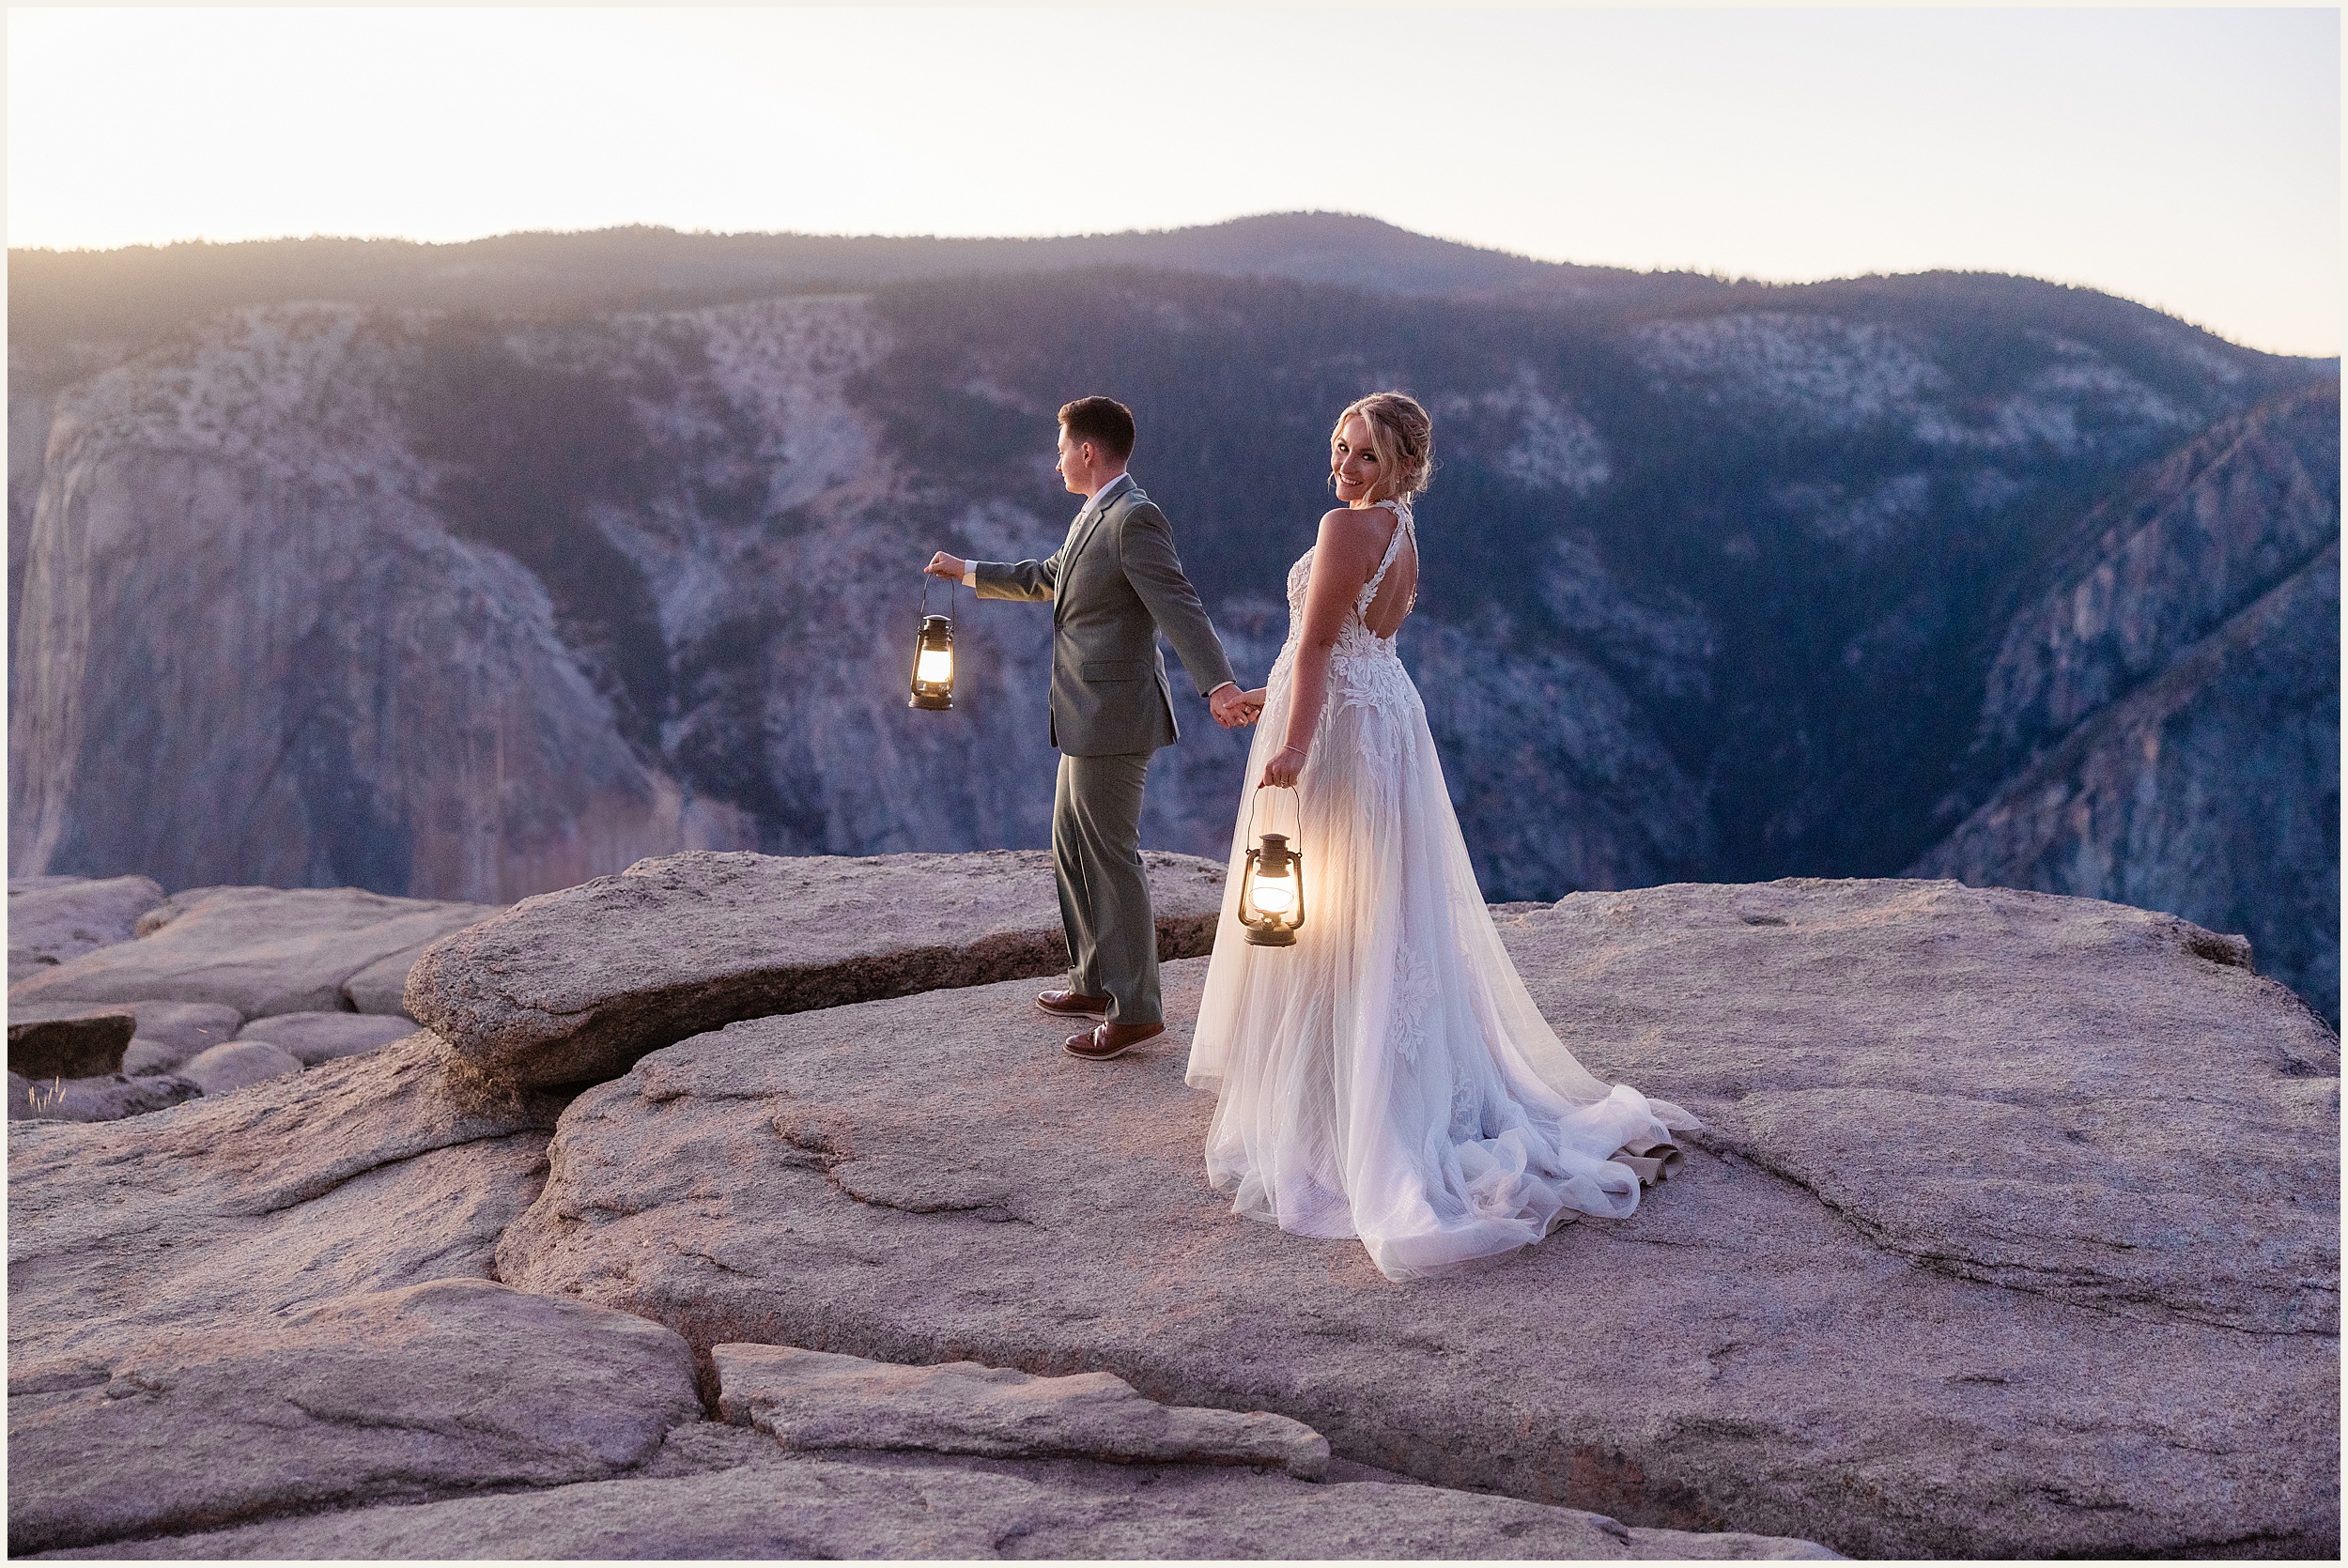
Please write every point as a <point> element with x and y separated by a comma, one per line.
<point>1114,585</point>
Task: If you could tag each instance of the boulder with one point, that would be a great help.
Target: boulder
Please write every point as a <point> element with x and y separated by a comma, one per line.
<point>260,950</point>
<point>225,1068</point>
<point>167,1032</point>
<point>2016,1232</point>
<point>88,1046</point>
<point>809,1400</point>
<point>315,1038</point>
<point>172,1032</point>
<point>572,987</point>
<point>381,986</point>
<point>365,1174</point>
<point>715,1503</point>
<point>146,1057</point>
<point>106,1099</point>
<point>451,1386</point>
<point>51,919</point>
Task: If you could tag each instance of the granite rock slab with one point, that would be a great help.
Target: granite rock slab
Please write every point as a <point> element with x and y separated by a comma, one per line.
<point>572,987</point>
<point>260,950</point>
<point>2064,1097</point>
<point>717,1491</point>
<point>2015,1234</point>
<point>450,1386</point>
<point>225,1068</point>
<point>315,1038</point>
<point>106,1099</point>
<point>365,1174</point>
<point>809,1400</point>
<point>51,919</point>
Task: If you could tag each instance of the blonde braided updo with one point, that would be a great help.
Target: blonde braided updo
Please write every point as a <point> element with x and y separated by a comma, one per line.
<point>1402,436</point>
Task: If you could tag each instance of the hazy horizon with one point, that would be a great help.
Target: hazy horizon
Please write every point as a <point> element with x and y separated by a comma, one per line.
<point>2187,160</point>
<point>794,234</point>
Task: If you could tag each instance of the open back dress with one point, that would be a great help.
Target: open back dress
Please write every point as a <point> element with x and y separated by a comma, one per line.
<point>1389,1077</point>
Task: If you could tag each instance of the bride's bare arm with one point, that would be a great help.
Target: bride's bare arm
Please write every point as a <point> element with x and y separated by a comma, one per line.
<point>1344,556</point>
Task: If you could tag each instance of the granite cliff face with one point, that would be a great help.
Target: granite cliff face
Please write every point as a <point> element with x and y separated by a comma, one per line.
<point>242,614</point>
<point>538,599</point>
<point>494,579</point>
<point>2162,720</point>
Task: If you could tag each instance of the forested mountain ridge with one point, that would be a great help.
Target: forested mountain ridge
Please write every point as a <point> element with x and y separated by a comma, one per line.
<point>469,602</point>
<point>2161,722</point>
<point>140,292</point>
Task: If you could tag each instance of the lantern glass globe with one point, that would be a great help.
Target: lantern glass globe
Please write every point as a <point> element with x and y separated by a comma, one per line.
<point>936,667</point>
<point>1275,895</point>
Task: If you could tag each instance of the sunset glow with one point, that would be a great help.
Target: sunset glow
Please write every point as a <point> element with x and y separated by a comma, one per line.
<point>2187,158</point>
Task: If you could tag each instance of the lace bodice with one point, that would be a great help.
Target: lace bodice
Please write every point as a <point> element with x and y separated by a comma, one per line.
<point>1355,639</point>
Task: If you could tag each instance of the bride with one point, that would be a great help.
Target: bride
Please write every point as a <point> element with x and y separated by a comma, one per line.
<point>1389,1076</point>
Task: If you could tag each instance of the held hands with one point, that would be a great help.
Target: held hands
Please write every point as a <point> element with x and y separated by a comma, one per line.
<point>944,566</point>
<point>1280,772</point>
<point>1233,707</point>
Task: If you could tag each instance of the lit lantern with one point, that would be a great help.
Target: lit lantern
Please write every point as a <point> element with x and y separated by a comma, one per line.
<point>1272,892</point>
<point>934,664</point>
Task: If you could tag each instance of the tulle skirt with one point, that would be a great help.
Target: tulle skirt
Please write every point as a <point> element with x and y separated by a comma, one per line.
<point>1389,1077</point>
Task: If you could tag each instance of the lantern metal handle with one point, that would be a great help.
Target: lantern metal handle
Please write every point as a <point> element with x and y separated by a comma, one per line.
<point>1255,804</point>
<point>950,595</point>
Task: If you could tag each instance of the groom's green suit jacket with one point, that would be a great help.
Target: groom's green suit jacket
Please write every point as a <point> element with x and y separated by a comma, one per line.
<point>1115,583</point>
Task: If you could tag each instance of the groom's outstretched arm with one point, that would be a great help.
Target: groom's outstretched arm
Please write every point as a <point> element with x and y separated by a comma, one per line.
<point>1017,580</point>
<point>1146,551</point>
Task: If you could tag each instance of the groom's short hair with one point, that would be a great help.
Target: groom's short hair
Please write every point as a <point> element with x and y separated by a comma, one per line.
<point>1103,421</point>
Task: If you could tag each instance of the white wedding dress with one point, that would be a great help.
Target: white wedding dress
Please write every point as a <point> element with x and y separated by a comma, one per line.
<point>1389,1077</point>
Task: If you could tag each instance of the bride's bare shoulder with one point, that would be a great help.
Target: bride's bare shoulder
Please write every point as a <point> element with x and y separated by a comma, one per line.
<point>1353,528</point>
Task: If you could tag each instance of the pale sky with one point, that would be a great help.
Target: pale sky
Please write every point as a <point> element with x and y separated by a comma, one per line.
<point>2185,158</point>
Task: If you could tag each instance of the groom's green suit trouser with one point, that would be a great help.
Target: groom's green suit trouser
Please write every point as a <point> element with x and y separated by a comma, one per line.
<point>1104,895</point>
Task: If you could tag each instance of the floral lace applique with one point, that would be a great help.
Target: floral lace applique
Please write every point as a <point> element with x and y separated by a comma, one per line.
<point>1467,1105</point>
<point>1299,575</point>
<point>1413,992</point>
<point>1371,680</point>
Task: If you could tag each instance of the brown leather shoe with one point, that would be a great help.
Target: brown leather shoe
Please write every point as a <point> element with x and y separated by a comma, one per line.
<point>1072,1003</point>
<point>1098,1044</point>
